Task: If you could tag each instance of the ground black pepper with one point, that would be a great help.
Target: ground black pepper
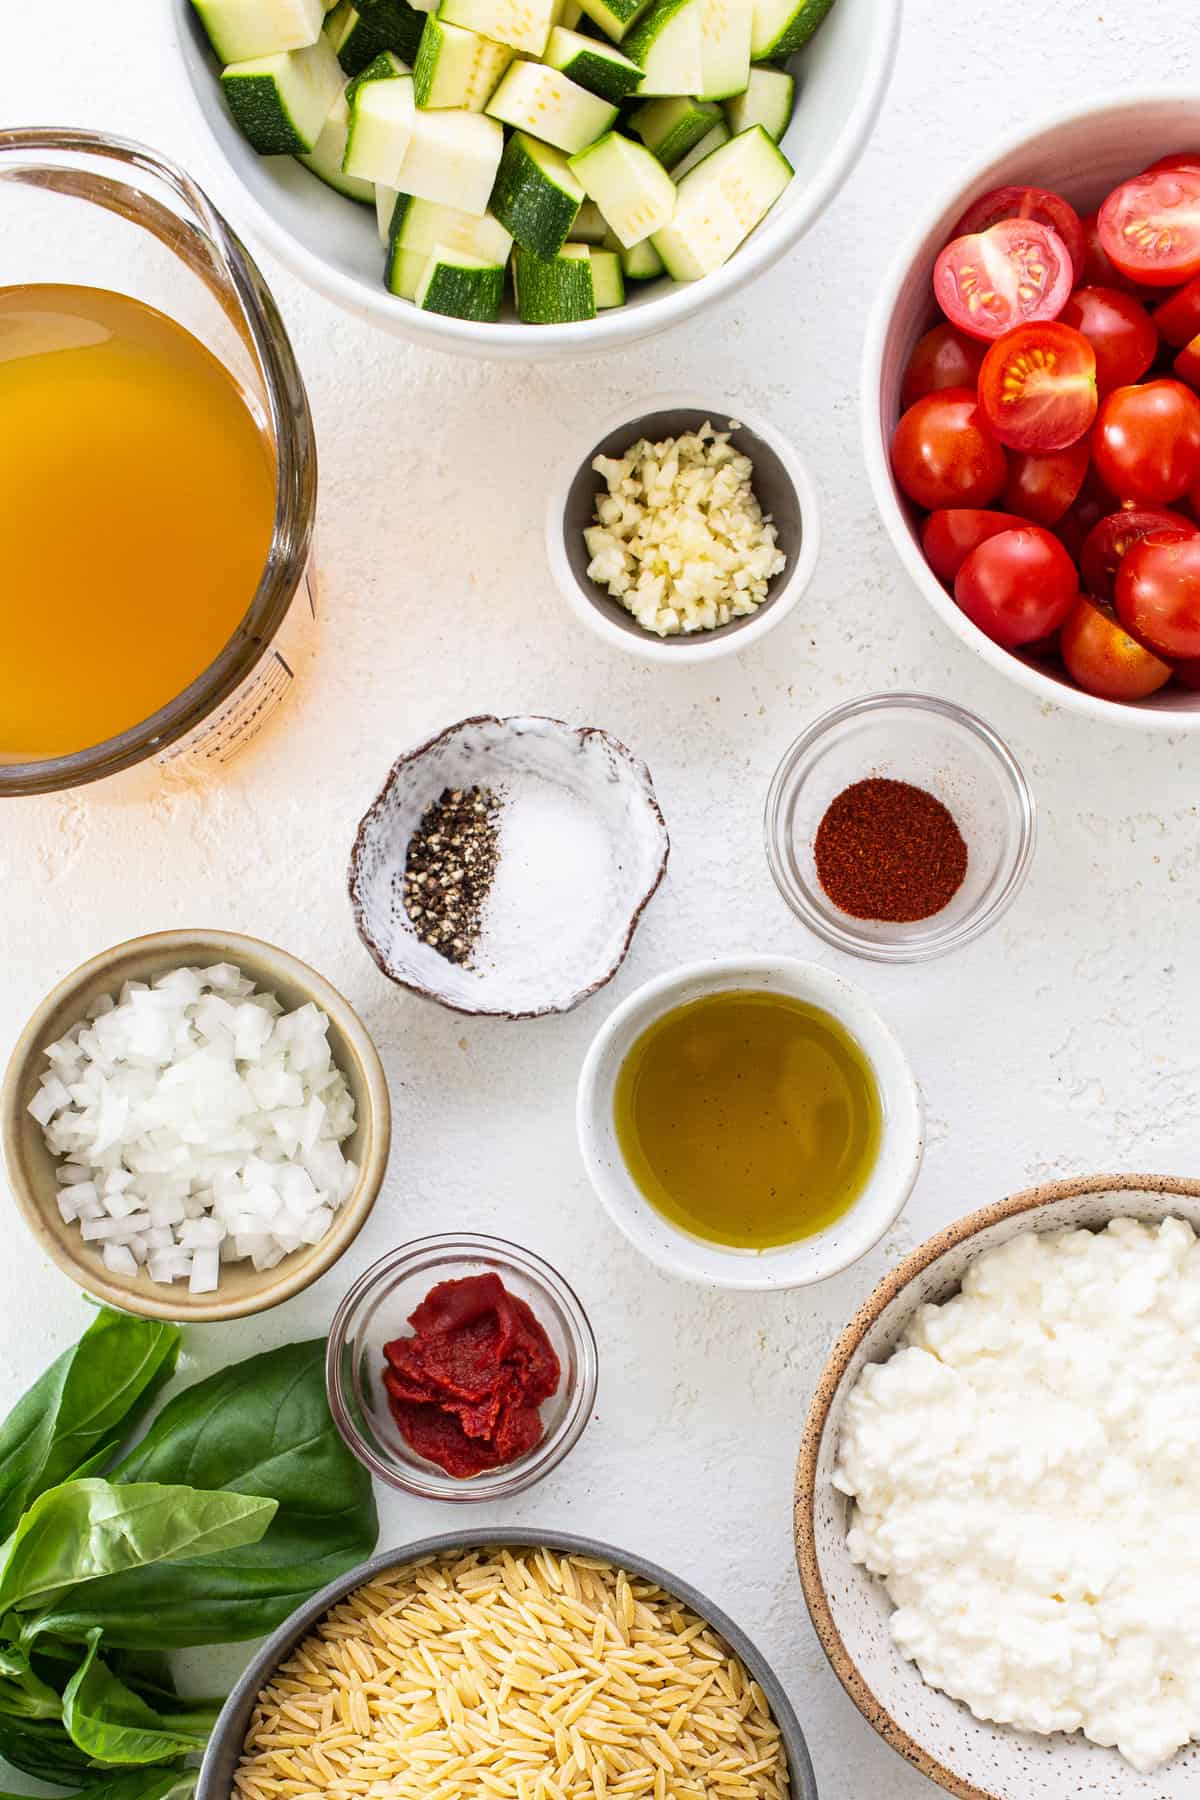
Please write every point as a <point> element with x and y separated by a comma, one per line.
<point>449,869</point>
<point>890,851</point>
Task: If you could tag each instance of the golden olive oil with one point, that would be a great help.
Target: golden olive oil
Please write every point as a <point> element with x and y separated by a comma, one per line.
<point>748,1119</point>
<point>137,500</point>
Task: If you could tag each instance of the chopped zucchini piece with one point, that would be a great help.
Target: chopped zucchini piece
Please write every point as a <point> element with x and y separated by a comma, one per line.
<point>280,103</point>
<point>671,127</point>
<point>595,66</point>
<point>422,225</point>
<point>464,287</point>
<point>590,227</point>
<point>628,184</point>
<point>359,36</point>
<point>724,48</point>
<point>382,111</point>
<point>721,202</point>
<point>384,67</point>
<point>242,30</point>
<point>608,283</point>
<point>536,197</point>
<point>641,263</point>
<point>614,17</point>
<point>782,26</point>
<point>385,211</point>
<point>667,45</point>
<point>556,290</point>
<point>328,153</point>
<point>569,14</point>
<point>548,106</point>
<point>712,140</point>
<point>405,272</point>
<point>452,158</point>
<point>767,101</point>
<point>524,24</point>
<point>457,68</point>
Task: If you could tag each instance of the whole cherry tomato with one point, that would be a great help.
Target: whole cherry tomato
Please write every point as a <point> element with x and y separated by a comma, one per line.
<point>1037,387</point>
<point>1112,537</point>
<point>1119,329</point>
<point>1098,271</point>
<point>1018,586</point>
<point>1150,226</point>
<point>1028,203</point>
<point>1158,593</point>
<point>1102,657</point>
<point>1041,488</point>
<point>943,358</point>
<point>943,453</point>
<point>1013,273</point>
<point>1146,445</point>
<point>951,534</point>
<point>1187,364</point>
<point>1177,320</point>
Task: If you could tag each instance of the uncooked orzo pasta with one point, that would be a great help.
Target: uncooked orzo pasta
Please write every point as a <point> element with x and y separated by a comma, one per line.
<point>512,1675</point>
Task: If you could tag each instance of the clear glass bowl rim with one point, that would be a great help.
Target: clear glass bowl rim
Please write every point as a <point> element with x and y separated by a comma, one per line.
<point>210,241</point>
<point>825,924</point>
<point>554,1447</point>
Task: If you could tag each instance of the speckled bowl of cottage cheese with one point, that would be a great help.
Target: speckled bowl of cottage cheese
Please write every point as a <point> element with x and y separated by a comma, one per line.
<point>998,1494</point>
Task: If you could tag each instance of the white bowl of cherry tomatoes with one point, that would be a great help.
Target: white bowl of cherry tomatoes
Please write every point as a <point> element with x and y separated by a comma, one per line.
<point>1032,411</point>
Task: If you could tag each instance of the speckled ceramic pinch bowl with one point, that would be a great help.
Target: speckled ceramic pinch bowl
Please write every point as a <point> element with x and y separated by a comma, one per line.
<point>229,1733</point>
<point>850,1608</point>
<point>582,849</point>
<point>792,1265</point>
<point>30,1165</point>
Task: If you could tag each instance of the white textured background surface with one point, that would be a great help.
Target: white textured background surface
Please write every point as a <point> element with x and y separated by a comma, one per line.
<point>1064,1042</point>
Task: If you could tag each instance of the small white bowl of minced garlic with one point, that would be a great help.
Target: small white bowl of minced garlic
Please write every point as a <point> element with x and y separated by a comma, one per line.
<point>683,532</point>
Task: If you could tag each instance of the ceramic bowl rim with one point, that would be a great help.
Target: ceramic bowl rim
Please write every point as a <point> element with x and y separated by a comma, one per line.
<point>1125,714</point>
<point>638,768</point>
<point>350,1217</point>
<point>1028,1200</point>
<point>282,1639</point>
<point>828,988</point>
<point>724,640</point>
<point>546,1456</point>
<point>610,330</point>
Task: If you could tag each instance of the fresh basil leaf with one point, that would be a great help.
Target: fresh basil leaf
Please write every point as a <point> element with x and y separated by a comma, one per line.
<point>260,1427</point>
<point>88,1529</point>
<point>41,1748</point>
<point>79,1412</point>
<point>22,1691</point>
<point>138,1784</point>
<point>112,1724</point>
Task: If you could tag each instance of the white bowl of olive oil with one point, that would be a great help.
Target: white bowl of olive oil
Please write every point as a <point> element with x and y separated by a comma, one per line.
<point>751,1122</point>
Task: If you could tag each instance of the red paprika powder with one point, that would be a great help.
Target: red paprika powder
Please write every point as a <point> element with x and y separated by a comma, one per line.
<point>890,851</point>
<point>465,1389</point>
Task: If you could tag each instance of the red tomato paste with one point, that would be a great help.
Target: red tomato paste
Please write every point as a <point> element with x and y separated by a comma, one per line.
<point>465,1389</point>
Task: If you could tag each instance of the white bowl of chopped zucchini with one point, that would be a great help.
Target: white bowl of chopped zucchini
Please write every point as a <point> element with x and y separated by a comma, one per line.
<point>536,178</point>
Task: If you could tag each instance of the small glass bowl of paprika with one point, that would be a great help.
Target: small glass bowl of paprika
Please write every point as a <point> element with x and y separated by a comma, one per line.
<point>899,827</point>
<point>461,1368</point>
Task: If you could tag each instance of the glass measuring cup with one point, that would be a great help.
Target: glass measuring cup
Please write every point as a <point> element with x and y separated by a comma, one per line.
<point>86,209</point>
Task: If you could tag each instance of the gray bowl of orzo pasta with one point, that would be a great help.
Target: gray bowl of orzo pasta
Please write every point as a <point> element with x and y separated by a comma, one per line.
<point>486,1664</point>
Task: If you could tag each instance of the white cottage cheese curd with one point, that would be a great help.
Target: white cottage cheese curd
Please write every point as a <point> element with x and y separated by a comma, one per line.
<point>1026,1472</point>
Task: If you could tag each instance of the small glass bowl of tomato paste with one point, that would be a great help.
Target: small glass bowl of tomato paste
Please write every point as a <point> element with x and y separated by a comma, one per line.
<point>443,1356</point>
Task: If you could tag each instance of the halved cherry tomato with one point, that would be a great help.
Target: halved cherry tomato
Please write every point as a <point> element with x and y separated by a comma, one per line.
<point>1177,320</point>
<point>1108,542</point>
<point>943,453</point>
<point>1009,275</point>
<point>1102,657</point>
<point>1146,445</point>
<point>1120,331</point>
<point>1028,203</point>
<point>943,358</point>
<point>1098,268</point>
<point>1158,593</point>
<point>1187,363</point>
<point>1017,586</point>
<point>1150,226</point>
<point>1042,487</point>
<point>952,533</point>
<point>1037,387</point>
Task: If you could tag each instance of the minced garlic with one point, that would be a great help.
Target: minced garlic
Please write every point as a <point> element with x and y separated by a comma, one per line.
<point>680,538</point>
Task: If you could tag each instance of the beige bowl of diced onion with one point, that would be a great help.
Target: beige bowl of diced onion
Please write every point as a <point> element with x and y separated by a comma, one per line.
<point>33,1169</point>
<point>781,485</point>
